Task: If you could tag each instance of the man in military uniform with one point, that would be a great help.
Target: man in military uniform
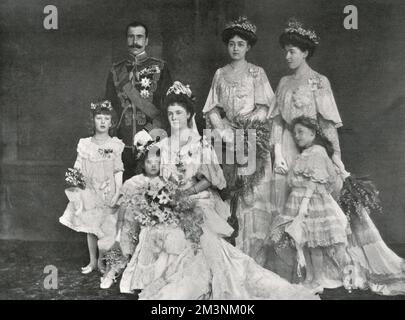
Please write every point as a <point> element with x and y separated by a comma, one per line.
<point>136,87</point>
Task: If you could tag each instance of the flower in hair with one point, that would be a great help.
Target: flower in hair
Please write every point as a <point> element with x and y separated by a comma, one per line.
<point>104,104</point>
<point>243,23</point>
<point>179,88</point>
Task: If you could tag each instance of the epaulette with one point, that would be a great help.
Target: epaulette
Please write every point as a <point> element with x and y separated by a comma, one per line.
<point>119,62</point>
<point>158,61</point>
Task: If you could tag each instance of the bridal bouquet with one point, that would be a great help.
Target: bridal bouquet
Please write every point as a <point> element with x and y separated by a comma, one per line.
<point>74,178</point>
<point>164,203</point>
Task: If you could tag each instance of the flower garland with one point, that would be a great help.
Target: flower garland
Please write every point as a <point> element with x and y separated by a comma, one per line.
<point>294,26</point>
<point>245,183</point>
<point>243,23</point>
<point>104,104</point>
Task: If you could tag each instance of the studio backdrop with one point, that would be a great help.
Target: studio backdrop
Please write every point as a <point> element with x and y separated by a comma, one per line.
<point>49,77</point>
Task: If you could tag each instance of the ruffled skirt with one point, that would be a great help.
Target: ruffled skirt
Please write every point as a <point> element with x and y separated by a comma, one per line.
<point>325,225</point>
<point>84,214</point>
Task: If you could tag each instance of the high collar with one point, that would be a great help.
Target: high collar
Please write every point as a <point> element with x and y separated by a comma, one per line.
<point>138,59</point>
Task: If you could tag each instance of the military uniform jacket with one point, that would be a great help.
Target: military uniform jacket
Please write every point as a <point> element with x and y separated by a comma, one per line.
<point>136,89</point>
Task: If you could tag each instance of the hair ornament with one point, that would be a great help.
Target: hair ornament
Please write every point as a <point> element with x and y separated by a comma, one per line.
<point>294,26</point>
<point>104,104</point>
<point>180,88</point>
<point>243,23</point>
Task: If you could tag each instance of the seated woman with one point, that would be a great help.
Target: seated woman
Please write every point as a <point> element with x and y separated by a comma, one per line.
<point>214,269</point>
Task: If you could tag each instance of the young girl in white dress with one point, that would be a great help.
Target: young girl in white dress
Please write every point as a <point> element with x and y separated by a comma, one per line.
<point>128,227</point>
<point>92,210</point>
<point>335,250</point>
<point>311,216</point>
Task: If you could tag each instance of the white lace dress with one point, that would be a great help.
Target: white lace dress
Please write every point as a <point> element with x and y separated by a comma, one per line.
<point>217,270</point>
<point>238,97</point>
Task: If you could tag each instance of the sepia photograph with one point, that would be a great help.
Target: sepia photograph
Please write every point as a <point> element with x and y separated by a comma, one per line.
<point>220,150</point>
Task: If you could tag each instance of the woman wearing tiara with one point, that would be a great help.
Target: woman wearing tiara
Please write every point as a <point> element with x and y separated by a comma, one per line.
<point>212,268</point>
<point>307,93</point>
<point>240,97</point>
<point>303,93</point>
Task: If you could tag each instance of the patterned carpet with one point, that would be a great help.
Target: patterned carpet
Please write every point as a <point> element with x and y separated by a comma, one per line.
<point>22,274</point>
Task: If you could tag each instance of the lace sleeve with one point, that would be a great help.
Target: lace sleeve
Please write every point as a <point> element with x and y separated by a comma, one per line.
<point>118,164</point>
<point>316,166</point>
<point>210,168</point>
<point>81,146</point>
<point>211,108</point>
<point>325,101</point>
<point>213,98</point>
<point>263,92</point>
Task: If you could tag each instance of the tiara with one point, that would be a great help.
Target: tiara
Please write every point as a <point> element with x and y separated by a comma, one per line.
<point>105,104</point>
<point>243,23</point>
<point>179,88</point>
<point>294,26</point>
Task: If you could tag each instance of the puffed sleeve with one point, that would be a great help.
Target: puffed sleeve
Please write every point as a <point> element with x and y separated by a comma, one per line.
<point>264,94</point>
<point>118,149</point>
<point>325,102</point>
<point>209,167</point>
<point>212,107</point>
<point>213,97</point>
<point>78,162</point>
<point>317,167</point>
<point>81,153</point>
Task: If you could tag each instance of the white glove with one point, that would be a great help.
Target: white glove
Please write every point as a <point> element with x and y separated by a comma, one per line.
<point>118,236</point>
<point>142,137</point>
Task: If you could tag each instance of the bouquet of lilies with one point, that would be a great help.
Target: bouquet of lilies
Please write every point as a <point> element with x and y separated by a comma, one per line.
<point>74,178</point>
<point>165,203</point>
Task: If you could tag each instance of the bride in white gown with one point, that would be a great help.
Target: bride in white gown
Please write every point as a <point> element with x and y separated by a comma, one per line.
<point>165,265</point>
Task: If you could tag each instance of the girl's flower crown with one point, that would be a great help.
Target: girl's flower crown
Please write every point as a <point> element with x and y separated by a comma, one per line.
<point>243,23</point>
<point>104,104</point>
<point>179,88</point>
<point>294,26</point>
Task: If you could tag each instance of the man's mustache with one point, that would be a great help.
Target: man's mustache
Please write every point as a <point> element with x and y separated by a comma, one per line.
<point>137,46</point>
